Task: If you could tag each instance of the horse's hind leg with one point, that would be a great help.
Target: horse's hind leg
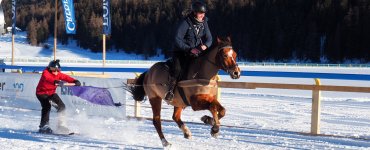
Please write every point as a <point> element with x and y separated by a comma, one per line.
<point>177,118</point>
<point>156,108</point>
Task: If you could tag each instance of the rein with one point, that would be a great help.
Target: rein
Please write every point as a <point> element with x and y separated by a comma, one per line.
<point>214,63</point>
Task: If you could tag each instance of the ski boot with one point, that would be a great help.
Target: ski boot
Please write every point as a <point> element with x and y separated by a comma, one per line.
<point>45,129</point>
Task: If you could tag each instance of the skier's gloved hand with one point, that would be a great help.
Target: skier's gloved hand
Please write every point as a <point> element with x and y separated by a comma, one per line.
<point>77,83</point>
<point>56,82</point>
<point>59,82</point>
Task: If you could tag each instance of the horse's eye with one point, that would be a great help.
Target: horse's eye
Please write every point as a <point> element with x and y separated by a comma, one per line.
<point>225,56</point>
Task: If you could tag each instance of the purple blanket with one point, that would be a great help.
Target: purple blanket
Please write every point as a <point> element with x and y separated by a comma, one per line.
<point>94,95</point>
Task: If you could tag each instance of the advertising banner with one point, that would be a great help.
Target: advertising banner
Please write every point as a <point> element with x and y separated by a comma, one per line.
<point>69,16</point>
<point>19,91</point>
<point>14,16</point>
<point>106,17</point>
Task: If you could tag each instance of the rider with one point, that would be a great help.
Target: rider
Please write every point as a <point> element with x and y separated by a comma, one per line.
<point>45,92</point>
<point>192,37</point>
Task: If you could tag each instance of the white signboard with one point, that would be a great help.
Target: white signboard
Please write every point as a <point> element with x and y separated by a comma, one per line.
<point>19,90</point>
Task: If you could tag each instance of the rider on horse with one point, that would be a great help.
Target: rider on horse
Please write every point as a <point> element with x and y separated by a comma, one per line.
<point>192,37</point>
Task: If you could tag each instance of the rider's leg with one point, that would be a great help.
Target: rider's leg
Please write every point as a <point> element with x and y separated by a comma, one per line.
<point>174,73</point>
<point>184,62</point>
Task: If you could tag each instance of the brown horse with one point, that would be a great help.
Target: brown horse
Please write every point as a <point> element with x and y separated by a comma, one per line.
<point>198,90</point>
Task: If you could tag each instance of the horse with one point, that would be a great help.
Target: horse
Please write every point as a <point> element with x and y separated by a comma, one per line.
<point>198,90</point>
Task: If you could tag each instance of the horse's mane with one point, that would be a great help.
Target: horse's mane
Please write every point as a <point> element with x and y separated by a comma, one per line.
<point>224,41</point>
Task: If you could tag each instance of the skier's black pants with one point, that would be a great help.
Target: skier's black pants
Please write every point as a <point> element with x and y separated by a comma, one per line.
<point>46,106</point>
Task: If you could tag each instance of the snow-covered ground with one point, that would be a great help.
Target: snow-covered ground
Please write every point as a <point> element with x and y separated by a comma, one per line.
<point>255,119</point>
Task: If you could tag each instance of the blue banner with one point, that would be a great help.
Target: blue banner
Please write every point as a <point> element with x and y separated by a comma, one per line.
<point>69,16</point>
<point>14,17</point>
<point>106,17</point>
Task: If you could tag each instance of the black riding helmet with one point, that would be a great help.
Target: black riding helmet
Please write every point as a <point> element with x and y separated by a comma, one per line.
<point>198,6</point>
<point>54,64</point>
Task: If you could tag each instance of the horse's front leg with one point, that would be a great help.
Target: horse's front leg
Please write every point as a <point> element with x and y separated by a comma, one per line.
<point>177,118</point>
<point>156,108</point>
<point>216,125</point>
<point>209,120</point>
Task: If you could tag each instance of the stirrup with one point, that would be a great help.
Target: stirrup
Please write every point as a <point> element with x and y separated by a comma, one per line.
<point>169,96</point>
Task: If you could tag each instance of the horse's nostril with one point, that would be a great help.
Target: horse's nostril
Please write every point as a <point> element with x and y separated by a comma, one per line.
<point>236,73</point>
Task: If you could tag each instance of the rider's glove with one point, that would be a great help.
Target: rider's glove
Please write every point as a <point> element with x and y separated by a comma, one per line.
<point>195,52</point>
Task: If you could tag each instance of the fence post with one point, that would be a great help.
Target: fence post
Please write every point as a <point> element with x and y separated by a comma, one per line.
<point>137,104</point>
<point>137,109</point>
<point>218,78</point>
<point>316,105</point>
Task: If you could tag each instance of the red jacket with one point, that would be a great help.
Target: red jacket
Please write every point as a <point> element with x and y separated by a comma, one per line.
<point>46,84</point>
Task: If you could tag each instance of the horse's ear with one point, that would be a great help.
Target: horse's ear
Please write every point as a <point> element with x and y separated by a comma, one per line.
<point>218,40</point>
<point>228,39</point>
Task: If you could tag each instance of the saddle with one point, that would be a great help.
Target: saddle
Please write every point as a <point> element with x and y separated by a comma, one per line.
<point>185,85</point>
<point>170,66</point>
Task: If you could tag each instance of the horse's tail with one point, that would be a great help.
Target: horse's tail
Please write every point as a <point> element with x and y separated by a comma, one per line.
<point>137,90</point>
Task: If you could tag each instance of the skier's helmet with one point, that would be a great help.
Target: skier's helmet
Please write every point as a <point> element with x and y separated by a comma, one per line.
<point>54,64</point>
<point>198,7</point>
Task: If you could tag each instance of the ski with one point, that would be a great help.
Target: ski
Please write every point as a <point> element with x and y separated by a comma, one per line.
<point>59,134</point>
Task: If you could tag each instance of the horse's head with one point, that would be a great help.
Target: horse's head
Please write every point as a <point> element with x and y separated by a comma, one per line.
<point>226,57</point>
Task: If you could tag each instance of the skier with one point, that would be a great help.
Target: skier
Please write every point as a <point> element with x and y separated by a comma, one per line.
<point>45,93</point>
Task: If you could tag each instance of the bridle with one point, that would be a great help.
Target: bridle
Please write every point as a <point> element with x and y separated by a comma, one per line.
<point>223,67</point>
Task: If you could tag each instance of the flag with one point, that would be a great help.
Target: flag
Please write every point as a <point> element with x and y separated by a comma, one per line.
<point>95,95</point>
<point>106,17</point>
<point>14,17</point>
<point>69,16</point>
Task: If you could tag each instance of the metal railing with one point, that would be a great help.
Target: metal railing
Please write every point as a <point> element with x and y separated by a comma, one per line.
<point>76,60</point>
<point>302,64</point>
<point>339,76</point>
<point>150,62</point>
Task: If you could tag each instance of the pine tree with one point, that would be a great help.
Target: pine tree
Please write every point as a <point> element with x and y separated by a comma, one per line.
<point>261,30</point>
<point>32,32</point>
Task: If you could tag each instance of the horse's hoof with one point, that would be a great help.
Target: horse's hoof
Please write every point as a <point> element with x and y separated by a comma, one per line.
<point>215,131</point>
<point>207,120</point>
<point>165,143</point>
<point>168,146</point>
<point>215,135</point>
<point>186,130</point>
<point>187,136</point>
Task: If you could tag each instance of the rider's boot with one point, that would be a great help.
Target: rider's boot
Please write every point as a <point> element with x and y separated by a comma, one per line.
<point>170,93</point>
